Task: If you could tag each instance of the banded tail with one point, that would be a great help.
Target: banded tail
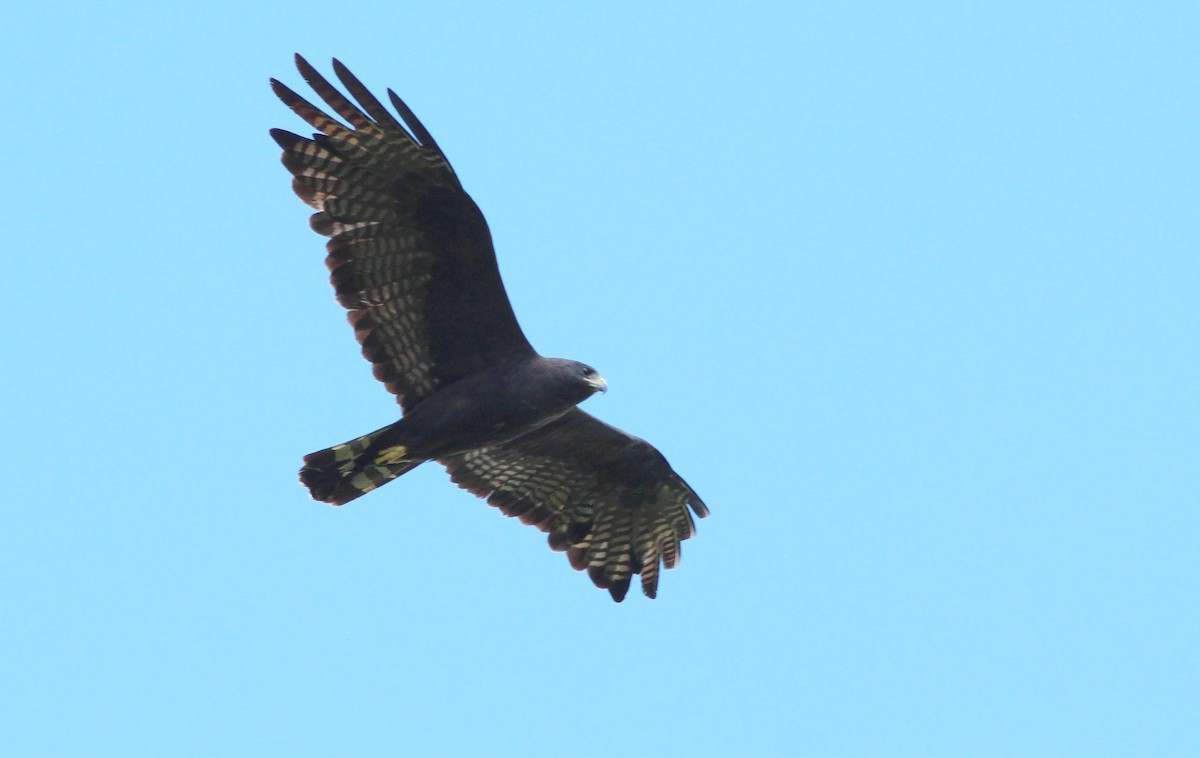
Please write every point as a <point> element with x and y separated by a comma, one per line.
<point>344,472</point>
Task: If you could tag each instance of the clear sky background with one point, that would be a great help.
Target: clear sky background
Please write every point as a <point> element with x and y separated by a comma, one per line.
<point>908,294</point>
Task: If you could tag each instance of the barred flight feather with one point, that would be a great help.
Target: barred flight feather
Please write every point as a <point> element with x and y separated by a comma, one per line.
<point>609,530</point>
<point>367,178</point>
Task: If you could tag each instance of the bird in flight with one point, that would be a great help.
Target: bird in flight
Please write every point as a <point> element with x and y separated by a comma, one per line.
<point>411,259</point>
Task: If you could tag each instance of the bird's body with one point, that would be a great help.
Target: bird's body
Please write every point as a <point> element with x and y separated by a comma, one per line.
<point>411,258</point>
<point>492,407</point>
<point>497,405</point>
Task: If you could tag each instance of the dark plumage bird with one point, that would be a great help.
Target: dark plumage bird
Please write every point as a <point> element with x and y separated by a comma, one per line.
<point>411,258</point>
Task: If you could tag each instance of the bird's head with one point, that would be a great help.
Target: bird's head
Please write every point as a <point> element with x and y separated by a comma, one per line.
<point>593,378</point>
<point>576,381</point>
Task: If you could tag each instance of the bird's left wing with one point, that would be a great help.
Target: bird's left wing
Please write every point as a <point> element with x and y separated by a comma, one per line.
<point>607,498</point>
<point>410,253</point>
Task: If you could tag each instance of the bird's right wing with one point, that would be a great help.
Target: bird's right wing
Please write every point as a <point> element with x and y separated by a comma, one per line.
<point>410,253</point>
<point>607,498</point>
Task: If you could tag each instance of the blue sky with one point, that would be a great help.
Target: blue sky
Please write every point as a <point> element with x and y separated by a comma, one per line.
<point>909,295</point>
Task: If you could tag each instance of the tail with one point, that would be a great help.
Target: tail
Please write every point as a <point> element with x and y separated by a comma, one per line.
<point>344,472</point>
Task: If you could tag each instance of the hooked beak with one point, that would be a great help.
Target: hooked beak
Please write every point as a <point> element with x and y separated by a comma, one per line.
<point>599,384</point>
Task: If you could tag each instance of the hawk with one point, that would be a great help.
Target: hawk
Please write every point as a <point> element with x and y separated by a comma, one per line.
<point>411,259</point>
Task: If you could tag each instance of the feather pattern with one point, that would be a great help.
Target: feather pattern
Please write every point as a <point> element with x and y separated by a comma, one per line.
<point>410,255</point>
<point>583,482</point>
